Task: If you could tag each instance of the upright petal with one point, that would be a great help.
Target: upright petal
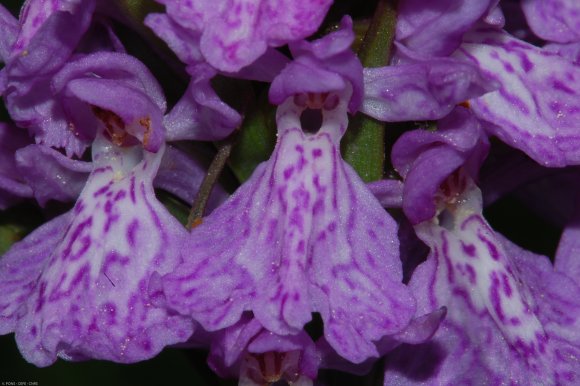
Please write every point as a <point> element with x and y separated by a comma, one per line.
<point>234,33</point>
<point>436,28</point>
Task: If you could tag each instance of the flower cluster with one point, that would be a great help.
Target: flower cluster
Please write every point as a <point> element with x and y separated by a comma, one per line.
<point>480,98</point>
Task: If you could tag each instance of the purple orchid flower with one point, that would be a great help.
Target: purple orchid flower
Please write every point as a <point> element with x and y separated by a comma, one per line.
<point>76,288</point>
<point>233,34</point>
<point>506,319</point>
<point>303,234</point>
<point>33,52</point>
<point>536,107</point>
<point>258,356</point>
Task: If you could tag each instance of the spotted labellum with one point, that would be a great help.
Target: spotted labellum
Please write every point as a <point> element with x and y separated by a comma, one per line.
<point>77,287</point>
<point>293,241</point>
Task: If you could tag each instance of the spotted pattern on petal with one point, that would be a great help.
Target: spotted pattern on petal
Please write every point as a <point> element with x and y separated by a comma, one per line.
<point>90,299</point>
<point>503,321</point>
<point>537,108</point>
<point>302,235</point>
<point>234,33</point>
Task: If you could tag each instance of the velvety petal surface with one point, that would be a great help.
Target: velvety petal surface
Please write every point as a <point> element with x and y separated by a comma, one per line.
<point>507,319</point>
<point>89,299</point>
<point>554,20</point>
<point>436,27</point>
<point>570,51</point>
<point>257,356</point>
<point>426,158</point>
<point>200,114</point>
<point>323,65</point>
<point>302,235</point>
<point>234,33</point>
<point>567,257</point>
<point>537,108</point>
<point>50,174</point>
<point>21,266</point>
<point>10,28</point>
<point>420,89</point>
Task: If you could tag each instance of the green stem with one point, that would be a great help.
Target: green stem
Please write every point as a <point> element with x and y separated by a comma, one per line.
<point>363,146</point>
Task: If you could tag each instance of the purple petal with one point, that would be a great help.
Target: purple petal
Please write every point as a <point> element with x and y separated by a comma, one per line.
<point>21,266</point>
<point>50,174</point>
<point>505,314</point>
<point>302,235</point>
<point>237,32</point>
<point>184,42</point>
<point>90,299</point>
<point>554,20</point>
<point>9,26</point>
<point>425,159</point>
<point>324,65</point>
<point>437,29</point>
<point>388,192</point>
<point>420,89</point>
<point>48,35</point>
<point>567,260</point>
<point>200,114</point>
<point>570,51</point>
<point>537,108</point>
<point>257,356</point>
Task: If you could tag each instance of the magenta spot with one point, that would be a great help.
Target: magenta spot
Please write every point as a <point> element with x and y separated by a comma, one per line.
<point>79,206</point>
<point>508,67</point>
<point>131,232</point>
<point>81,276</point>
<point>108,207</point>
<point>514,321</point>
<point>288,172</point>
<point>75,235</point>
<point>301,247</point>
<point>299,149</point>
<point>332,226</point>
<point>316,153</point>
<point>146,345</point>
<point>132,190</point>
<point>33,331</point>
<point>493,251</point>
<point>120,195</point>
<point>507,288</point>
<point>527,65</point>
<point>495,297</point>
<point>318,207</point>
<point>562,87</point>
<point>468,249</point>
<point>40,300</point>
<point>471,273</point>
<point>103,190</point>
